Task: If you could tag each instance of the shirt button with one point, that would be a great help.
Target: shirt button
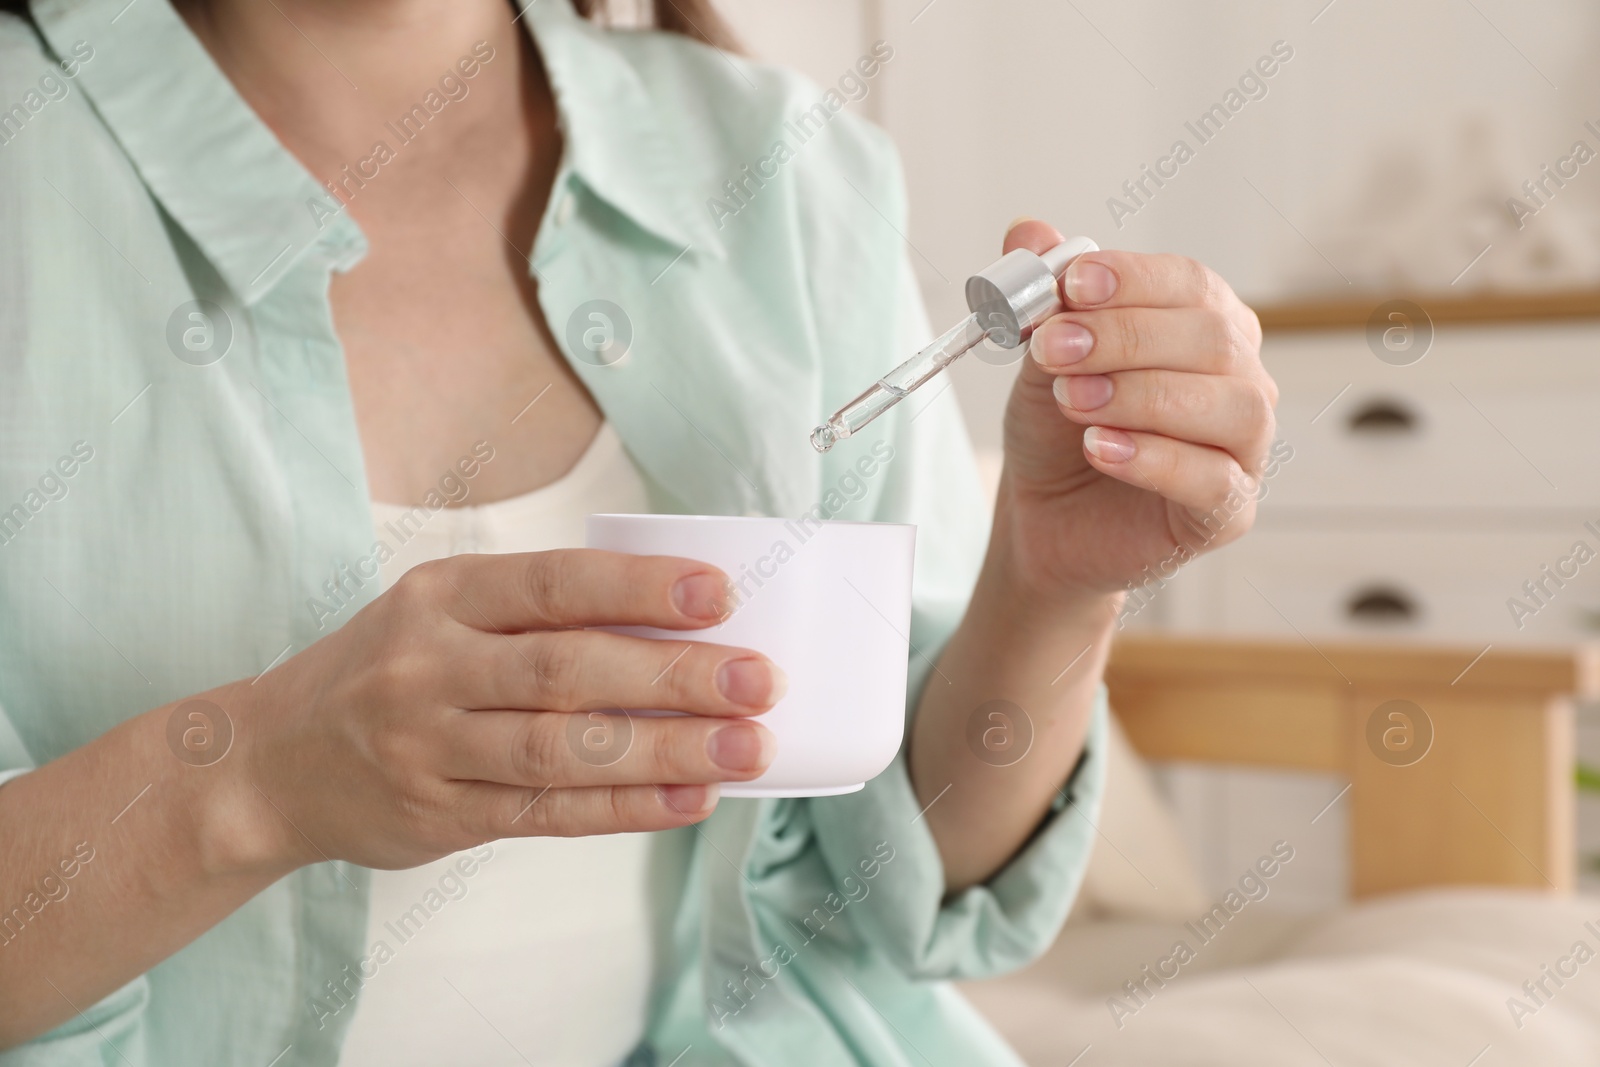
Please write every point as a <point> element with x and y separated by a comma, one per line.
<point>564,209</point>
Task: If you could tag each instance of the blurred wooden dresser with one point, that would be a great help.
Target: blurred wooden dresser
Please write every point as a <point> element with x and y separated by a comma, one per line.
<point>1444,491</point>
<point>1425,498</point>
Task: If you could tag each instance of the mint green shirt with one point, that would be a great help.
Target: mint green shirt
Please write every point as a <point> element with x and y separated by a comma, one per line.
<point>175,491</point>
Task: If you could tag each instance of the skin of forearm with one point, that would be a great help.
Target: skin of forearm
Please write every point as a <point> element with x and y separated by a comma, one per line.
<point>167,863</point>
<point>1016,646</point>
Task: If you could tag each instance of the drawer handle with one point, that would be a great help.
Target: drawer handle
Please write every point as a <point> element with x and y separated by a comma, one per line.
<point>1382,605</point>
<point>1383,417</point>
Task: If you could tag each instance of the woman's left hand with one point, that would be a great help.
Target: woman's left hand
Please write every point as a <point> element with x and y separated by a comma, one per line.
<point>1139,429</point>
<point>1136,437</point>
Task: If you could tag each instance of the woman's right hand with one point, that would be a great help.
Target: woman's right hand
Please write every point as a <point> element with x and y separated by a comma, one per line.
<point>441,715</point>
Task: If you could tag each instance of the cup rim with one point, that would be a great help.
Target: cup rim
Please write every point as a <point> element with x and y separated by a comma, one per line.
<point>747,518</point>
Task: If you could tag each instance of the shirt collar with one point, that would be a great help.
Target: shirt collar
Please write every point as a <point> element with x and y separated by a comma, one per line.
<point>616,141</point>
<point>222,174</point>
<point>212,163</point>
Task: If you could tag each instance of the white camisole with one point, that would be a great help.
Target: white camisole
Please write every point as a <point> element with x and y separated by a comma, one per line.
<point>543,954</point>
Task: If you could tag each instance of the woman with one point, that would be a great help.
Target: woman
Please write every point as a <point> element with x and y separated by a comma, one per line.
<point>237,399</point>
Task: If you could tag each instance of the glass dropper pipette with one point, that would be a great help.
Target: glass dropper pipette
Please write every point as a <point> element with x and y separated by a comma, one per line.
<point>1008,299</point>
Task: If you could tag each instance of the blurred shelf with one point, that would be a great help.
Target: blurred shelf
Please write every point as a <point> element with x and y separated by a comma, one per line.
<point>1478,307</point>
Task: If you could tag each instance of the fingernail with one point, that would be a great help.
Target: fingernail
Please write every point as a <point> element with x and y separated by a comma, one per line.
<point>1084,392</point>
<point>755,683</point>
<point>1061,344</point>
<point>1108,446</point>
<point>739,747</point>
<point>701,596</point>
<point>688,799</point>
<point>1088,282</point>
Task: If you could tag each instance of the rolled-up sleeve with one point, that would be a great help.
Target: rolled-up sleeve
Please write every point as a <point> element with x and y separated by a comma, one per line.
<point>14,756</point>
<point>984,930</point>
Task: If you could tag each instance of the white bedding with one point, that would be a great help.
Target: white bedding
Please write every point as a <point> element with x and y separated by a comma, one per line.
<point>1410,981</point>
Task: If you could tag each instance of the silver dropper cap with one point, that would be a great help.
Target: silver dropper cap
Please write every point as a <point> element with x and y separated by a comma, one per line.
<point>1018,291</point>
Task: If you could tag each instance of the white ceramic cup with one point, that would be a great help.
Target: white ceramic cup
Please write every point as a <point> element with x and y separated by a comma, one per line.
<point>830,603</point>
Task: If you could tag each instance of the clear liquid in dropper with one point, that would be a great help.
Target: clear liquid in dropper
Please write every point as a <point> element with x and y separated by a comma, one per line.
<point>898,384</point>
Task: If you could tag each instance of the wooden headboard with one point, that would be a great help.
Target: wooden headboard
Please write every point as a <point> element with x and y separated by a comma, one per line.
<point>1490,803</point>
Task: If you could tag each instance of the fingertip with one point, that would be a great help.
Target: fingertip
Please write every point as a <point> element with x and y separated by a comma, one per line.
<point>1089,282</point>
<point>1108,446</point>
<point>1032,234</point>
<point>689,802</point>
<point>742,749</point>
<point>705,596</point>
<point>1061,389</point>
<point>1060,343</point>
<point>752,682</point>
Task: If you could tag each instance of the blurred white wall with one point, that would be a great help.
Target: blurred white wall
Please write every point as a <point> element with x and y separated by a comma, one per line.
<point>1379,159</point>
